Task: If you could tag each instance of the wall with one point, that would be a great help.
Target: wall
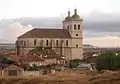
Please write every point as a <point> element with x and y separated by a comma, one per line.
<point>38,63</point>
<point>31,73</point>
<point>38,73</point>
<point>12,67</point>
<point>66,50</point>
<point>49,61</point>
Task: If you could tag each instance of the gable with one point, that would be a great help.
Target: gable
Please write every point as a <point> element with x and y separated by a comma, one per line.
<point>12,67</point>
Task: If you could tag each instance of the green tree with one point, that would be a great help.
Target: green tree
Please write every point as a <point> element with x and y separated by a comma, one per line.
<point>108,61</point>
<point>73,63</point>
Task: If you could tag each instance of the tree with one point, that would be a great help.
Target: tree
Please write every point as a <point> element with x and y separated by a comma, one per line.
<point>5,60</point>
<point>73,63</point>
<point>108,61</point>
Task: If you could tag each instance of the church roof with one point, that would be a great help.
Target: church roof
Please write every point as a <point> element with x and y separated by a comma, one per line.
<point>46,33</point>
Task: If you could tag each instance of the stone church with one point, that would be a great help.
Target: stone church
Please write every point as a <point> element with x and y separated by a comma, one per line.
<point>67,41</point>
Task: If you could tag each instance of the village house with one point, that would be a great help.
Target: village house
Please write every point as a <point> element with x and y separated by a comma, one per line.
<point>15,70</point>
<point>11,70</point>
<point>67,41</point>
<point>36,60</point>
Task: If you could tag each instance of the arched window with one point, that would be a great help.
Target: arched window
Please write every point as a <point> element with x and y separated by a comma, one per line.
<point>78,27</point>
<point>74,27</point>
<point>35,42</point>
<point>77,45</point>
<point>57,43</point>
<point>67,27</point>
<point>66,42</point>
<point>47,42</point>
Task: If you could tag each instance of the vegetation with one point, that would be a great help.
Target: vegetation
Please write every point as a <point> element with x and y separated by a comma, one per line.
<point>108,61</point>
<point>73,63</point>
<point>5,60</point>
<point>34,67</point>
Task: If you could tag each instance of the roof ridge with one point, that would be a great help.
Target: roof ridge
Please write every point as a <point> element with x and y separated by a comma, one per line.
<point>49,28</point>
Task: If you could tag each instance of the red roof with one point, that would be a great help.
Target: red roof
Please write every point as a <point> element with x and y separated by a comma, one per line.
<point>32,58</point>
<point>3,53</point>
<point>29,58</point>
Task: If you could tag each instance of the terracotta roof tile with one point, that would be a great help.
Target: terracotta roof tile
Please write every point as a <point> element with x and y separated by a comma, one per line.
<point>29,58</point>
<point>47,53</point>
<point>33,58</point>
<point>46,33</point>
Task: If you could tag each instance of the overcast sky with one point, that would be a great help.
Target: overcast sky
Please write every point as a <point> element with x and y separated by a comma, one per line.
<point>20,8</point>
<point>101,18</point>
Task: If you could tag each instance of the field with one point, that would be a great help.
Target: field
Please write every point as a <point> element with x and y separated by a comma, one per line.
<point>67,78</point>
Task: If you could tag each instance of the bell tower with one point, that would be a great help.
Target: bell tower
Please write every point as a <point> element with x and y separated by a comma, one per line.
<point>74,24</point>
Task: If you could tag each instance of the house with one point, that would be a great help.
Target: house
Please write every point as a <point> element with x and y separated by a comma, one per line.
<point>37,60</point>
<point>49,55</point>
<point>11,70</point>
<point>67,41</point>
<point>27,59</point>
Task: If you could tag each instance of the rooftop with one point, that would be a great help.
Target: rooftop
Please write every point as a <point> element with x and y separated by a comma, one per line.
<point>46,33</point>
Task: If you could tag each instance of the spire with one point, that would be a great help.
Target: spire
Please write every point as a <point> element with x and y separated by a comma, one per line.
<point>68,13</point>
<point>75,11</point>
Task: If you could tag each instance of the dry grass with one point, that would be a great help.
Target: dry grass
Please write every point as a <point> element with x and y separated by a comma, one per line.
<point>105,78</point>
<point>66,78</point>
<point>59,78</point>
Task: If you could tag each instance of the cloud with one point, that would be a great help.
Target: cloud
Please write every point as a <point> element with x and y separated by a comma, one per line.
<point>9,30</point>
<point>97,25</point>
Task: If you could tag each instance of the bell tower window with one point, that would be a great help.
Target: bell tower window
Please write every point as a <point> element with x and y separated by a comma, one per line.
<point>74,27</point>
<point>78,27</point>
<point>76,34</point>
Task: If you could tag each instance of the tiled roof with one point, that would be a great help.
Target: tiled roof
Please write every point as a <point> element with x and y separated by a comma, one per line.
<point>29,58</point>
<point>46,33</point>
<point>33,58</point>
<point>47,53</point>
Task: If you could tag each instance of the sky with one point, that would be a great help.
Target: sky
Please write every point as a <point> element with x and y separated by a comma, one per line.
<point>34,8</point>
<point>101,18</point>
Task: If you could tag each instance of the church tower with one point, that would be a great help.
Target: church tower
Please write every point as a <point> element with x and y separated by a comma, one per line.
<point>74,24</point>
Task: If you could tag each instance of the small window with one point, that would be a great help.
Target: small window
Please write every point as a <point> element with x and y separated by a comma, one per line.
<point>76,34</point>
<point>57,43</point>
<point>78,27</point>
<point>35,42</point>
<point>74,27</point>
<point>66,42</point>
<point>47,42</point>
<point>67,27</point>
<point>12,72</point>
<point>77,45</point>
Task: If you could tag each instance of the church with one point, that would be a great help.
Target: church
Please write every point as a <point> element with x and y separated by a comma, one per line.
<point>67,41</point>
